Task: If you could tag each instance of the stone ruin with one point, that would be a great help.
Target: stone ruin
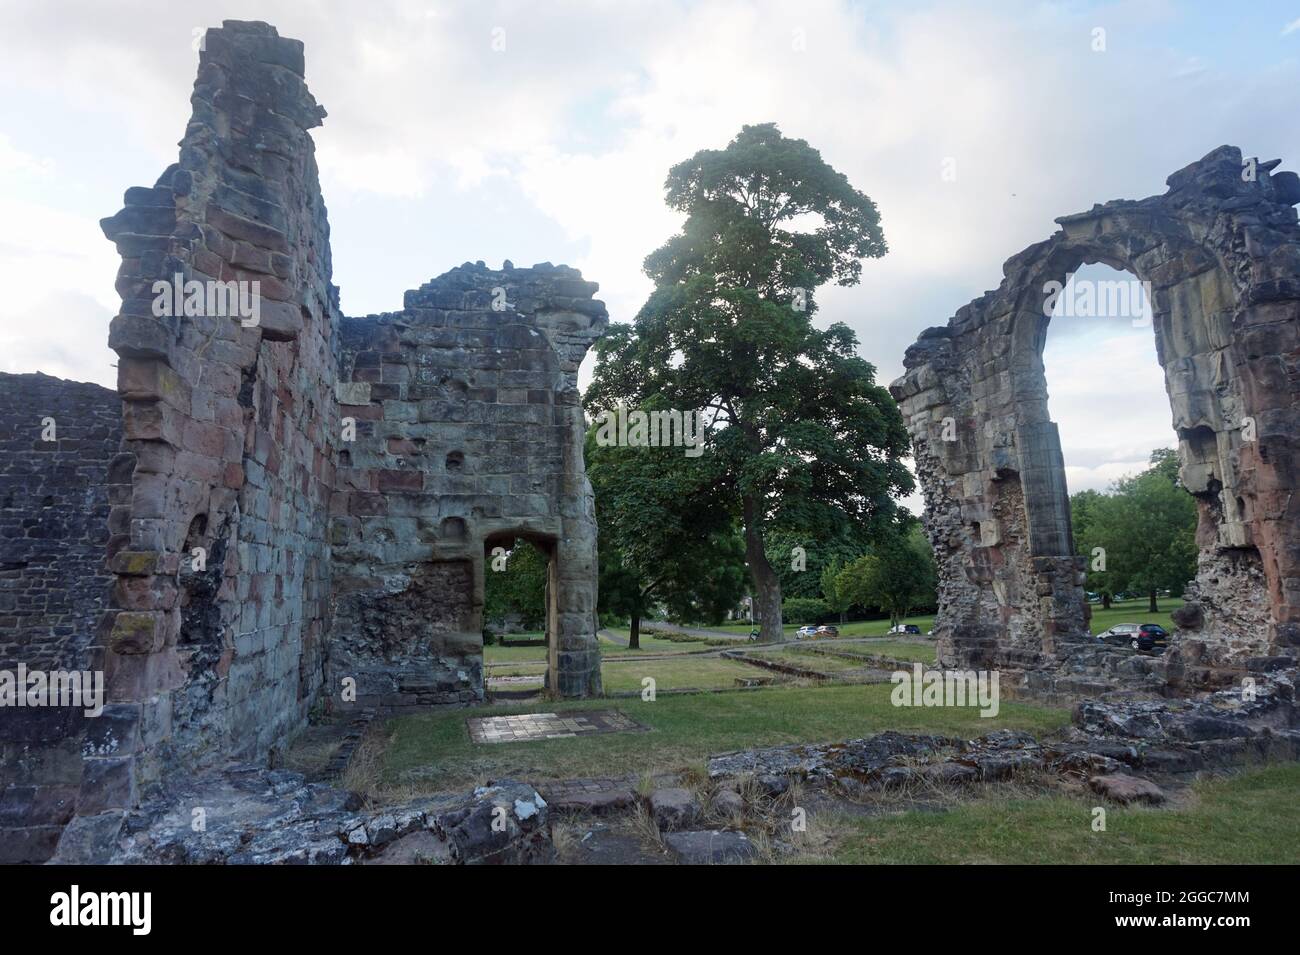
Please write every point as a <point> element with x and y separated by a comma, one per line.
<point>339,479</point>
<point>1221,253</point>
<point>343,480</point>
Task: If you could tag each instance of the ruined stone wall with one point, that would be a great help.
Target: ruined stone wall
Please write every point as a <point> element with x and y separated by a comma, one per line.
<point>469,433</point>
<point>53,516</point>
<point>1221,251</point>
<point>53,587</point>
<point>228,427</point>
<point>250,539</point>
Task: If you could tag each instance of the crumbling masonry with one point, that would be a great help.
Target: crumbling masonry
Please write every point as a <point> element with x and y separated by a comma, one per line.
<point>1221,251</point>
<point>298,512</point>
<point>277,517</point>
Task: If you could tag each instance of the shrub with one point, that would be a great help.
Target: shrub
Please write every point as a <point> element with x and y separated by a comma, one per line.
<point>804,610</point>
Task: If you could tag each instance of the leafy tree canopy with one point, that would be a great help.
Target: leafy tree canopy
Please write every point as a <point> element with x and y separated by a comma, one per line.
<point>662,541</point>
<point>801,436</point>
<point>1145,528</point>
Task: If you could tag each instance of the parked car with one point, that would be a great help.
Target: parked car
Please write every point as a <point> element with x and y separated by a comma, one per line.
<point>905,628</point>
<point>807,631</point>
<point>1136,636</point>
<point>826,633</point>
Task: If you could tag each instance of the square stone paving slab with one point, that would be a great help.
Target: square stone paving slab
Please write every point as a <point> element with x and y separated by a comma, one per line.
<point>532,726</point>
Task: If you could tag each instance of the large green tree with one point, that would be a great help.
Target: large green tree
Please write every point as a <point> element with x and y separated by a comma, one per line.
<point>1146,529</point>
<point>800,560</point>
<point>515,584</point>
<point>1084,508</point>
<point>896,576</point>
<point>800,434</point>
<point>661,542</point>
<point>838,600</point>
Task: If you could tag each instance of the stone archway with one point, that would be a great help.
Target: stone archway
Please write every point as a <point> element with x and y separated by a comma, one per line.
<point>1220,252</point>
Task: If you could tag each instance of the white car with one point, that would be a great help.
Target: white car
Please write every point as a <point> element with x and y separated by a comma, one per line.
<point>805,632</point>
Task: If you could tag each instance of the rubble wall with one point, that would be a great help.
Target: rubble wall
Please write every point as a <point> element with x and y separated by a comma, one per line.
<point>57,439</point>
<point>469,433</point>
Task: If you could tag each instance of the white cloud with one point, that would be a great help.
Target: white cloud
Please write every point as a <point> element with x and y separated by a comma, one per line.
<point>14,161</point>
<point>577,121</point>
<point>391,172</point>
<point>58,296</point>
<point>1106,393</point>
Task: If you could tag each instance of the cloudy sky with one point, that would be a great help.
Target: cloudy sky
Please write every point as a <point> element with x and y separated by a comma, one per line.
<point>542,131</point>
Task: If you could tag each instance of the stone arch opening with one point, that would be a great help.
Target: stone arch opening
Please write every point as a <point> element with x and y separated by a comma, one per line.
<point>1109,402</point>
<point>1220,253</point>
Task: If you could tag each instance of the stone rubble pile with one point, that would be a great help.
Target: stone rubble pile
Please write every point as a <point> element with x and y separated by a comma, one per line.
<point>250,816</point>
<point>1107,740</point>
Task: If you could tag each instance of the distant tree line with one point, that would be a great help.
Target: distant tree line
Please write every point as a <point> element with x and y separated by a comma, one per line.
<point>1140,536</point>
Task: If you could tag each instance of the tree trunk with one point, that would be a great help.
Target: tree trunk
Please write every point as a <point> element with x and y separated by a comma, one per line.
<point>1153,608</point>
<point>1105,601</point>
<point>634,641</point>
<point>767,585</point>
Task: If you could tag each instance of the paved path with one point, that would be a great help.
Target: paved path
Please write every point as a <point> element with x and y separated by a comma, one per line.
<point>613,637</point>
<point>701,632</point>
<point>688,631</point>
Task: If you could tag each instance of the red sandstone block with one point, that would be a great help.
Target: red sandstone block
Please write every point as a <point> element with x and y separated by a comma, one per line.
<point>367,505</point>
<point>208,262</point>
<point>199,467</point>
<point>233,476</point>
<point>154,457</point>
<point>401,481</point>
<point>228,413</point>
<point>360,479</point>
<point>202,437</point>
<point>134,563</point>
<point>280,321</point>
<point>251,257</point>
<point>362,412</point>
<point>151,421</point>
<point>145,379</point>
<point>237,227</point>
<point>140,676</point>
<point>136,632</point>
<point>222,378</point>
<point>144,593</point>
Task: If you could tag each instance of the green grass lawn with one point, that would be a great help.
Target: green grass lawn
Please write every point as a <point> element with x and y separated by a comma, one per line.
<point>650,644</point>
<point>1252,817</point>
<point>432,752</point>
<point>500,654</point>
<point>898,649</point>
<point>625,673</point>
<point>517,669</point>
<point>1126,611</point>
<point>808,660</point>
<point>688,673</point>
